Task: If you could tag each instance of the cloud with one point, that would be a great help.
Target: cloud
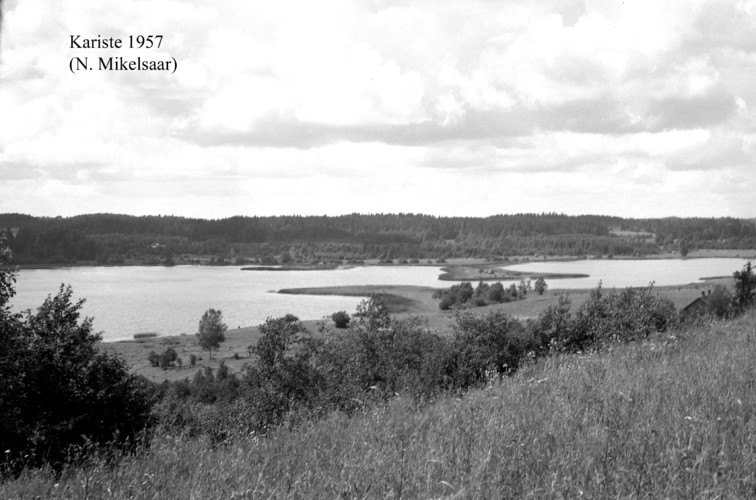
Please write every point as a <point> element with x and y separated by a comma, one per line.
<point>693,112</point>
<point>382,98</point>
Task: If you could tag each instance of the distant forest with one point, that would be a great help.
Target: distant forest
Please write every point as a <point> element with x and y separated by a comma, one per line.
<point>125,239</point>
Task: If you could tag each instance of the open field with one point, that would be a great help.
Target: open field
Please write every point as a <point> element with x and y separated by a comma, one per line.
<point>669,417</point>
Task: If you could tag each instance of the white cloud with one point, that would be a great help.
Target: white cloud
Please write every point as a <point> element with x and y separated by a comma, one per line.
<point>367,102</point>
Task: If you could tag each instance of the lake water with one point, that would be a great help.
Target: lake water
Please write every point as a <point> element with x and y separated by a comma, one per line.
<point>171,300</point>
<point>622,273</point>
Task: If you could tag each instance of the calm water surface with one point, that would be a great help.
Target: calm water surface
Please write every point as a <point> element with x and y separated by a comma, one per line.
<point>623,273</point>
<point>171,300</point>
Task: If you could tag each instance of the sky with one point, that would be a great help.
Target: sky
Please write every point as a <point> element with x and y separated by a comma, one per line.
<point>640,108</point>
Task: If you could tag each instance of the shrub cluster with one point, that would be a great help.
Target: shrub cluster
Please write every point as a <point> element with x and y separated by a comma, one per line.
<point>59,394</point>
<point>463,295</point>
<point>300,376</point>
<point>166,359</point>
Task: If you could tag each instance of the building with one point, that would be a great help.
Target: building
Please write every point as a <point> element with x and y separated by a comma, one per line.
<point>698,307</point>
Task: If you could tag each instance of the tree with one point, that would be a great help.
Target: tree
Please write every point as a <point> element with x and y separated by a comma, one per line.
<point>745,283</point>
<point>524,287</point>
<point>7,275</point>
<point>496,292</point>
<point>212,330</point>
<point>540,286</point>
<point>277,335</point>
<point>374,312</point>
<point>720,301</point>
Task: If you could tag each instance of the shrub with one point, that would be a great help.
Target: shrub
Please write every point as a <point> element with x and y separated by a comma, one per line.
<point>619,316</point>
<point>154,359</point>
<point>493,342</point>
<point>167,359</point>
<point>340,319</point>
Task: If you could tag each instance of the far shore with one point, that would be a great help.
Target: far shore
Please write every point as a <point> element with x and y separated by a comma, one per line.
<point>432,262</point>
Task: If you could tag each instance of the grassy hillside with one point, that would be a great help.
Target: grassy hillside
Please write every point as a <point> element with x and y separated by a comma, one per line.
<point>669,417</point>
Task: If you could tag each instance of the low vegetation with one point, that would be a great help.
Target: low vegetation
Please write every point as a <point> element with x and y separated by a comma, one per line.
<point>667,417</point>
<point>145,335</point>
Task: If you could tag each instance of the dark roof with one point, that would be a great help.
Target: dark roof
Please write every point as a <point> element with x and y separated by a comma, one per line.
<point>699,302</point>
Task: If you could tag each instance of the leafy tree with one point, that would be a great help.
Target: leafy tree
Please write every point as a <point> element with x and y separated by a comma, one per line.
<point>524,287</point>
<point>496,292</point>
<point>277,336</point>
<point>281,380</point>
<point>374,311</point>
<point>212,330</point>
<point>7,275</point>
<point>720,302</point>
<point>745,284</point>
<point>540,286</point>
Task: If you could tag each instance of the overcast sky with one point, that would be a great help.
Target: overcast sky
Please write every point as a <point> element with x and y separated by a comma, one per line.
<point>635,108</point>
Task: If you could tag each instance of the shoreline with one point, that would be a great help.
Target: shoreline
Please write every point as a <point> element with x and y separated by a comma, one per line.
<point>407,301</point>
<point>424,262</point>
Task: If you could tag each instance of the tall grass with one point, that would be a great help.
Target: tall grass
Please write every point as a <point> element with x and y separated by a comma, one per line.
<point>673,416</point>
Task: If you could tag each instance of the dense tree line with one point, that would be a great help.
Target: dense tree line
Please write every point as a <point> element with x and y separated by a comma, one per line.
<point>115,239</point>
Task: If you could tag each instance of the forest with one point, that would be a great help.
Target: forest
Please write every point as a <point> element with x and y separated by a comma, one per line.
<point>124,239</point>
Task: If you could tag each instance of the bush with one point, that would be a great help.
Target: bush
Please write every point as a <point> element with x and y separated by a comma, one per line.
<point>494,343</point>
<point>341,319</point>
<point>166,359</point>
<point>631,314</point>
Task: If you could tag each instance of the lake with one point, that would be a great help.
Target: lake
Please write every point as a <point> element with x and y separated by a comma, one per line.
<point>621,273</point>
<point>170,300</point>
